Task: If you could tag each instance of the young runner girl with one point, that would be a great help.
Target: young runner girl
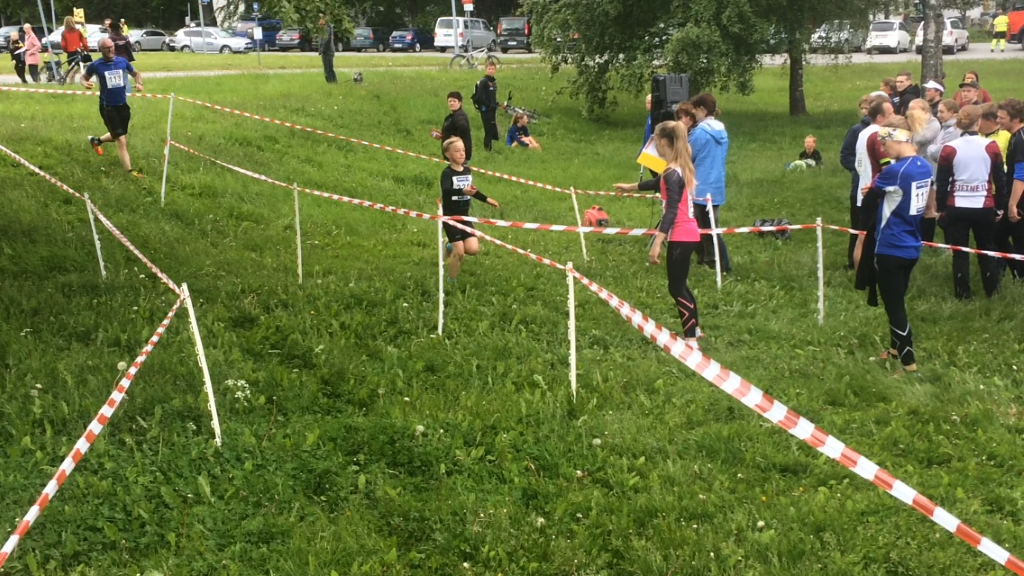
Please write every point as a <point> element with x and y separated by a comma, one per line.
<point>902,189</point>
<point>457,193</point>
<point>678,225</point>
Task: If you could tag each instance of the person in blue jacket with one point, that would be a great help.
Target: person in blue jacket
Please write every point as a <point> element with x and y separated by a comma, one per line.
<point>519,134</point>
<point>903,188</point>
<point>709,143</point>
<point>848,160</point>
<point>648,131</point>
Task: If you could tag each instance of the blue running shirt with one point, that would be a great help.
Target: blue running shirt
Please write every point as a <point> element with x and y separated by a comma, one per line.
<point>905,185</point>
<point>113,79</point>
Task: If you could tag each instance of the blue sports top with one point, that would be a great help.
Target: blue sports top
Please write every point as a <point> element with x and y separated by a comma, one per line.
<point>904,186</point>
<point>113,79</point>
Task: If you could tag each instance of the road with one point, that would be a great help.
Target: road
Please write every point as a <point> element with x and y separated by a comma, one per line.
<point>976,52</point>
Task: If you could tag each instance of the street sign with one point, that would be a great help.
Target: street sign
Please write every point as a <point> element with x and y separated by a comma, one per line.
<point>255,7</point>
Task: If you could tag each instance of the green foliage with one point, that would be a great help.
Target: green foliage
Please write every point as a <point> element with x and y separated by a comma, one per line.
<point>322,386</point>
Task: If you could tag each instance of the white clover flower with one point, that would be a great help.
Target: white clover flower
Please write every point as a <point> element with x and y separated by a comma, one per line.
<point>596,441</point>
<point>420,429</point>
<point>760,524</point>
<point>122,366</point>
<point>579,473</point>
<point>540,522</point>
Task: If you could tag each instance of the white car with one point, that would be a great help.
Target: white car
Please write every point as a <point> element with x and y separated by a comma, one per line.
<point>889,35</point>
<point>473,33</point>
<point>208,40</point>
<point>954,37</point>
<point>93,34</point>
<point>149,39</point>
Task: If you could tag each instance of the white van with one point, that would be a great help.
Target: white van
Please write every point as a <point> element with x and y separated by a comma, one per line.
<point>472,33</point>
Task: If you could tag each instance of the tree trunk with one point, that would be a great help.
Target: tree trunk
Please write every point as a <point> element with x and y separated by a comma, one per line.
<point>931,50</point>
<point>797,102</point>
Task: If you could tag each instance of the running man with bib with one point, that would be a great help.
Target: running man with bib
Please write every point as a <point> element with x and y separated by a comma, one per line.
<point>112,73</point>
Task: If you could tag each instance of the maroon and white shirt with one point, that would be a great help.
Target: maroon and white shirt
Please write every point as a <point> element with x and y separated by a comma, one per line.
<point>970,173</point>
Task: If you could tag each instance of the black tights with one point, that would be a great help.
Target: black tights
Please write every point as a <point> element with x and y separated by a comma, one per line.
<point>678,266</point>
<point>893,281</point>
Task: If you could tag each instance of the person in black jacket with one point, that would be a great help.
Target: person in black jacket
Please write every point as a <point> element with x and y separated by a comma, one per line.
<point>326,50</point>
<point>457,124</point>
<point>485,98</point>
<point>907,92</point>
<point>848,159</point>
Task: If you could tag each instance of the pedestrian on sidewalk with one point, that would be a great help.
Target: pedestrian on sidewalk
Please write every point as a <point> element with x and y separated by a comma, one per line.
<point>17,50</point>
<point>32,48</point>
<point>326,51</point>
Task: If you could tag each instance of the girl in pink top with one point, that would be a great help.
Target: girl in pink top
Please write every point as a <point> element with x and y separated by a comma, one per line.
<point>32,48</point>
<point>678,225</point>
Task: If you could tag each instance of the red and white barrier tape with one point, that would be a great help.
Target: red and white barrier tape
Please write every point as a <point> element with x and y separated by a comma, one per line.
<point>85,442</point>
<point>798,426</point>
<point>75,92</point>
<point>841,229</point>
<point>973,251</point>
<point>103,219</point>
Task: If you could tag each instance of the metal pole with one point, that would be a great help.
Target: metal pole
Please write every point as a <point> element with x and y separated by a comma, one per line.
<point>821,275</point>
<point>579,223</point>
<point>46,34</point>
<point>572,330</point>
<point>167,151</point>
<point>95,237</point>
<point>202,26</point>
<point>714,240</point>
<point>455,28</point>
<point>259,58</point>
<point>203,366</point>
<point>440,271</point>
<point>298,230</point>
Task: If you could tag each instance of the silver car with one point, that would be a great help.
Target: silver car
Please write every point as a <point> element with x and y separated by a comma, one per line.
<point>150,39</point>
<point>209,40</point>
<point>838,36</point>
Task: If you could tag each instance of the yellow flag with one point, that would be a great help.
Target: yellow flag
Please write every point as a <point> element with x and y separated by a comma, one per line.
<point>649,157</point>
<point>78,15</point>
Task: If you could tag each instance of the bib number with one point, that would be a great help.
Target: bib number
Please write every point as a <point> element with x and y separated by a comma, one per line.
<point>115,78</point>
<point>462,182</point>
<point>919,197</point>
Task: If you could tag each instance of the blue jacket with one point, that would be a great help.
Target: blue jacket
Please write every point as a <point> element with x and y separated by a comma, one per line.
<point>848,153</point>
<point>647,134</point>
<point>709,144</point>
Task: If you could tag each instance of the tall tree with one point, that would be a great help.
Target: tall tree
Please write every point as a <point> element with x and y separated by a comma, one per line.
<point>931,47</point>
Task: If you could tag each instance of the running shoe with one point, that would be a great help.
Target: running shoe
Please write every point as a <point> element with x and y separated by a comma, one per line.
<point>136,173</point>
<point>96,145</point>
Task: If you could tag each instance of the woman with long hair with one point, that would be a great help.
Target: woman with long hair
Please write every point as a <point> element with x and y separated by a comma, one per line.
<point>970,184</point>
<point>678,224</point>
<point>925,131</point>
<point>17,49</point>
<point>75,45</point>
<point>902,187</point>
<point>32,49</point>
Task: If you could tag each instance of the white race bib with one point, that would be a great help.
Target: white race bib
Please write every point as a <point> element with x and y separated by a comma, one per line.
<point>919,196</point>
<point>115,78</point>
<point>462,182</point>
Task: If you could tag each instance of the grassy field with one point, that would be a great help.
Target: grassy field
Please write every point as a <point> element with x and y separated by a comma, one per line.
<point>323,469</point>
<point>179,62</point>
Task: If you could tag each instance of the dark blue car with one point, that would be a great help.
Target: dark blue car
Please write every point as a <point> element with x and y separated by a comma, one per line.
<point>414,39</point>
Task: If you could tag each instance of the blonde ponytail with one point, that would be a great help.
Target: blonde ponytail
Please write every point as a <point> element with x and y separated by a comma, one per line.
<point>678,156</point>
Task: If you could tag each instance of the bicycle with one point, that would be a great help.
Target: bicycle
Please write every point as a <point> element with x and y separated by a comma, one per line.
<point>75,65</point>
<point>473,58</point>
<point>512,110</point>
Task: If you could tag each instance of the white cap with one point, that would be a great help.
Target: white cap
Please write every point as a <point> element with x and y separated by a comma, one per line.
<point>934,85</point>
<point>878,93</point>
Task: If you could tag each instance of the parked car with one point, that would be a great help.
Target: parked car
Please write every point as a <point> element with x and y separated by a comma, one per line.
<point>367,38</point>
<point>414,39</point>
<point>838,36</point>
<point>208,40</point>
<point>295,39</point>
<point>471,32</point>
<point>889,35</point>
<point>270,28</point>
<point>150,39</point>
<point>514,33</point>
<point>954,37</point>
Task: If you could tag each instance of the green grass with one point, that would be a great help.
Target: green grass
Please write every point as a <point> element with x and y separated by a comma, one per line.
<point>322,470</point>
<point>179,62</point>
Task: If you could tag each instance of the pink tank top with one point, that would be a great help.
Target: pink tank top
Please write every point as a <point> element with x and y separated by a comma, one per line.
<point>685,228</point>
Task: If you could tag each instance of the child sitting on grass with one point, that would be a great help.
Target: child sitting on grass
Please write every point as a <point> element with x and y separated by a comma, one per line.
<point>809,156</point>
<point>457,193</point>
<point>519,134</point>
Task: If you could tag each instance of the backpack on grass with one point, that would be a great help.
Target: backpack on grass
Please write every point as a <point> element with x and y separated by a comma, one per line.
<point>779,234</point>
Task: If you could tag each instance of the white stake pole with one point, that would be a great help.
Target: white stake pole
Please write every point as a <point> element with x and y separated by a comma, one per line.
<point>579,222</point>
<point>167,151</point>
<point>95,237</point>
<point>572,330</point>
<point>714,240</point>
<point>440,272</point>
<point>203,366</point>
<point>298,230</point>
<point>821,275</point>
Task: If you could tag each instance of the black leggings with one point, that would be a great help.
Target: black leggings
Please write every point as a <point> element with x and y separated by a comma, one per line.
<point>19,69</point>
<point>490,122</point>
<point>958,224</point>
<point>678,266</point>
<point>33,71</point>
<point>893,280</point>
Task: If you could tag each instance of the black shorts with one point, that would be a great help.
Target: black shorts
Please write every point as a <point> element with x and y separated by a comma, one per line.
<point>116,118</point>
<point>457,234</point>
<point>999,35</point>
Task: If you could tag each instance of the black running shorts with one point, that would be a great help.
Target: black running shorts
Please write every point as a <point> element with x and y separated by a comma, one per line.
<point>116,118</point>
<point>457,234</point>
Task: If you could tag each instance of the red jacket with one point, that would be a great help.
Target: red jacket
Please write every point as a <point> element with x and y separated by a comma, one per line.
<point>72,41</point>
